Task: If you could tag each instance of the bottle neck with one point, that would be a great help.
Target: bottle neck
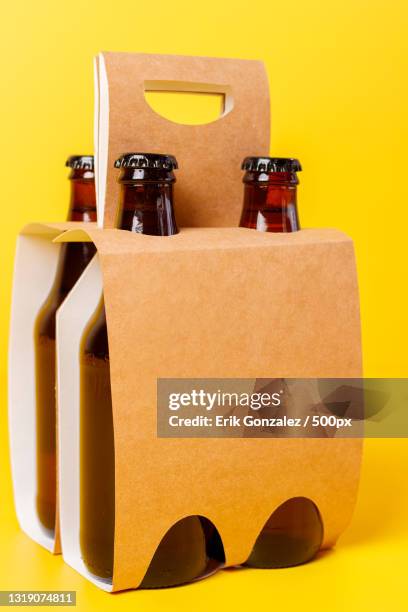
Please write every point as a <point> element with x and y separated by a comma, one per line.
<point>146,202</point>
<point>82,205</point>
<point>270,202</point>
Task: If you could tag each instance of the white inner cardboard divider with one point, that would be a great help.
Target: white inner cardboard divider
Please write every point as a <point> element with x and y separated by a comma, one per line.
<point>96,122</point>
<point>72,319</point>
<point>101,132</point>
<point>35,268</point>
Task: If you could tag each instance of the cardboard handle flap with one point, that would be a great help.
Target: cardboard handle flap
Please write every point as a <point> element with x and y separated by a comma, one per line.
<point>208,192</point>
<point>234,78</point>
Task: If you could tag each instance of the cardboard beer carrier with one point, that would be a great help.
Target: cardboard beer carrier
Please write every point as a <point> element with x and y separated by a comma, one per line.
<point>214,301</point>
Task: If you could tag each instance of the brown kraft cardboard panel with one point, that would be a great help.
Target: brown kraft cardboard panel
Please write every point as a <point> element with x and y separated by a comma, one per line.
<point>222,303</point>
<point>209,189</point>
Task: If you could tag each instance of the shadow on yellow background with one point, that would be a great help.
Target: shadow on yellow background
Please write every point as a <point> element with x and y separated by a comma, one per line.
<point>339,99</point>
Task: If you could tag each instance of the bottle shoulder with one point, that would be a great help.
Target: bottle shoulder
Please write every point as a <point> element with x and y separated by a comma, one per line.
<point>95,337</point>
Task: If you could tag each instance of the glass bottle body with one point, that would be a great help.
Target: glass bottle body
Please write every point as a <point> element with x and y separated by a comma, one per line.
<point>73,259</point>
<point>146,206</point>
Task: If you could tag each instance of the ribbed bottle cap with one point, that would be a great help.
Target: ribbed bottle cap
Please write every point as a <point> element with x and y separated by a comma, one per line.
<point>80,162</point>
<point>146,160</point>
<point>271,164</point>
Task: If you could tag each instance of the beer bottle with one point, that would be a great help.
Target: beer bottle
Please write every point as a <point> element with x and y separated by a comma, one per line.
<point>294,532</point>
<point>270,194</point>
<point>73,259</point>
<point>146,207</point>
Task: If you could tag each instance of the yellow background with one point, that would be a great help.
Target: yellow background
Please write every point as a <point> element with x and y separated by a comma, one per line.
<point>339,102</point>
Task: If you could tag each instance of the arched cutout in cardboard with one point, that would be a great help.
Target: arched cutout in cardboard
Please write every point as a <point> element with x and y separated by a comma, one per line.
<point>292,535</point>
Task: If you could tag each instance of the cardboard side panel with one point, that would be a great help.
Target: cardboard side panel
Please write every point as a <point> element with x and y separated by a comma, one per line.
<point>283,309</point>
<point>35,267</point>
<point>211,303</point>
<point>208,188</point>
<point>72,318</point>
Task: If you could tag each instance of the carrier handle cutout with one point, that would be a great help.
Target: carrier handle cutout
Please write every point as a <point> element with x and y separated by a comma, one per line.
<point>189,103</point>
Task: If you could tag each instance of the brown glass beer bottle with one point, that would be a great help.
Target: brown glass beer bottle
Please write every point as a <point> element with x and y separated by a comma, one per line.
<point>294,532</point>
<point>146,207</point>
<point>73,259</point>
<point>270,194</point>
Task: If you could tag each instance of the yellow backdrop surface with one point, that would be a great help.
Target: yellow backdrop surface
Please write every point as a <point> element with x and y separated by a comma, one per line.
<point>339,102</point>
